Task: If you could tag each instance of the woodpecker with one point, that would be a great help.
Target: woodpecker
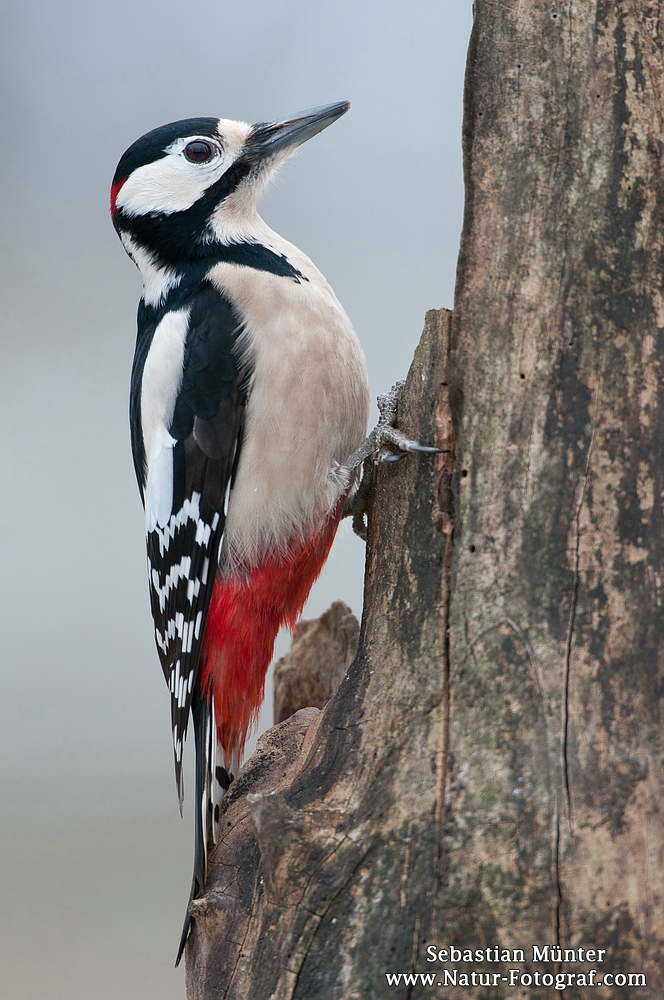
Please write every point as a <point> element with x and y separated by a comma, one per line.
<point>249,390</point>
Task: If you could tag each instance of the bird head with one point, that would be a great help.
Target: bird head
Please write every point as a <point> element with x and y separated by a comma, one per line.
<point>184,186</point>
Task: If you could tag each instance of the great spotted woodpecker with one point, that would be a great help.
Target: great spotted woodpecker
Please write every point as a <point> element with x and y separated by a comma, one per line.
<point>249,390</point>
<point>249,399</point>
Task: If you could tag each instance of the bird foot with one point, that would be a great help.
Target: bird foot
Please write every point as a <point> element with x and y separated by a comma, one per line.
<point>389,445</point>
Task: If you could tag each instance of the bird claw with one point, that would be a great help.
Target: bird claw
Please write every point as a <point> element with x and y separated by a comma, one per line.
<point>385,437</point>
<point>390,435</point>
<point>390,445</point>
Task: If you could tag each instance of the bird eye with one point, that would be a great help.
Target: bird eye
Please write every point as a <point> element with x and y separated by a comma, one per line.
<point>198,151</point>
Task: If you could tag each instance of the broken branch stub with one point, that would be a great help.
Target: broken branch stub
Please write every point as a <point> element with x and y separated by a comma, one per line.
<point>321,652</point>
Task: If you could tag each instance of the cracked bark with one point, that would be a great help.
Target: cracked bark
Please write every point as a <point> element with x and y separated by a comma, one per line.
<point>554,824</point>
<point>490,770</point>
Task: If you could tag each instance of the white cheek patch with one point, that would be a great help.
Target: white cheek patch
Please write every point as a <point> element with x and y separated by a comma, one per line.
<point>173,184</point>
<point>168,185</point>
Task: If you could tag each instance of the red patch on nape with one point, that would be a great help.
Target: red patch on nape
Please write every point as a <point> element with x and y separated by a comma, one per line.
<point>246,612</point>
<point>115,191</point>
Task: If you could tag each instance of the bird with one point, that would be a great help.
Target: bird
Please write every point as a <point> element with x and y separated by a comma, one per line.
<point>249,391</point>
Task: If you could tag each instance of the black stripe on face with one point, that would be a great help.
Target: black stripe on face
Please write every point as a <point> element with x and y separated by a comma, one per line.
<point>180,236</point>
<point>152,146</point>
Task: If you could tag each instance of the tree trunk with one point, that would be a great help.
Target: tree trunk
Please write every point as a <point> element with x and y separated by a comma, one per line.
<point>495,783</point>
<point>556,623</point>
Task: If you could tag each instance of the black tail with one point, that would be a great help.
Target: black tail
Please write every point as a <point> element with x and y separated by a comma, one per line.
<point>212,781</point>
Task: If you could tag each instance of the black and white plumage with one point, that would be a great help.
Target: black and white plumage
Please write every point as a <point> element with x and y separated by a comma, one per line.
<point>193,333</point>
<point>249,390</point>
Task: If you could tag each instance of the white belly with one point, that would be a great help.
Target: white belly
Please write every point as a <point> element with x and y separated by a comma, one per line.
<point>308,406</point>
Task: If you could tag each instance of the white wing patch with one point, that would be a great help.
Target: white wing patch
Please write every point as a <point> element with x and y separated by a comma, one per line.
<point>162,378</point>
<point>159,487</point>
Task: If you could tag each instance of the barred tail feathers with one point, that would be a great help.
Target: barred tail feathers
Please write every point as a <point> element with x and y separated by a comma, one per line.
<point>212,782</point>
<point>245,613</point>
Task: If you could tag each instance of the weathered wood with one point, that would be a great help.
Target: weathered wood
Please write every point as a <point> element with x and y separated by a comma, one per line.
<point>554,829</point>
<point>320,654</point>
<point>334,885</point>
<point>235,860</point>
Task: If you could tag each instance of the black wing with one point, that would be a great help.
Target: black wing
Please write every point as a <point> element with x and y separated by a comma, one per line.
<point>183,554</point>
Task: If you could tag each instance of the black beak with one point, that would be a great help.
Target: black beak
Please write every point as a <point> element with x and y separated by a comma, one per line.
<point>270,138</point>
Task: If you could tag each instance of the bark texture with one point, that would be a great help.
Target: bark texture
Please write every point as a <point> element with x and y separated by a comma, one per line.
<point>321,652</point>
<point>555,829</point>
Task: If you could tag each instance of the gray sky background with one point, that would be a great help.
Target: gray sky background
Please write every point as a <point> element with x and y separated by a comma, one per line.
<point>95,862</point>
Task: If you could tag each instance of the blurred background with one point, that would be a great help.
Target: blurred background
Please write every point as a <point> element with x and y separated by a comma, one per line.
<point>95,862</point>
